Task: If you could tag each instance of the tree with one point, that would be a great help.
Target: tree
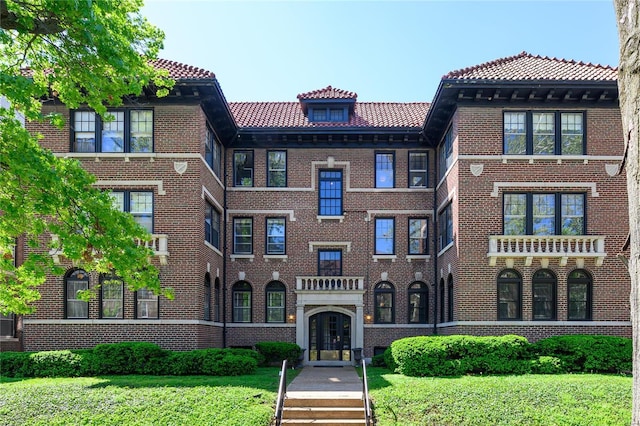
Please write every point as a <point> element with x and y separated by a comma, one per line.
<point>89,52</point>
<point>628,16</point>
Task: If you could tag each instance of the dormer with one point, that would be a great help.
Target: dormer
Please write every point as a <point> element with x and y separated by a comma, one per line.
<point>328,105</point>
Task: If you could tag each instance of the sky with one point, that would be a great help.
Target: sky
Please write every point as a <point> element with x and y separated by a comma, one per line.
<point>385,51</point>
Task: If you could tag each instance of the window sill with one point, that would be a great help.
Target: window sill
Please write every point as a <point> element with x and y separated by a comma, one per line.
<point>418,257</point>
<point>242,256</point>
<point>447,247</point>
<point>282,257</point>
<point>321,218</point>
<point>391,257</point>
<point>212,247</point>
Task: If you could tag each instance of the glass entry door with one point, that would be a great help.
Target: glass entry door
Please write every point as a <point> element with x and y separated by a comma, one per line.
<point>330,337</point>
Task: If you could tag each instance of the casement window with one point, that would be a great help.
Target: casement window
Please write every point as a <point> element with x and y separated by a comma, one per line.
<point>76,282</point>
<point>276,235</point>
<point>243,168</point>
<point>544,214</point>
<point>418,162</point>
<point>213,152</point>
<point>418,236</point>
<point>544,295</point>
<point>211,225</point>
<point>445,153</point>
<point>385,169</point>
<point>277,169</point>
<point>579,287</point>
<point>330,263</point>
<point>207,297</point>
<point>330,193</point>
<point>130,130</point>
<point>276,293</point>
<point>328,114</point>
<point>242,235</point>
<point>138,203</point>
<point>450,298</point>
<point>418,302</point>
<point>385,235</point>
<point>509,295</point>
<point>111,297</point>
<point>544,133</point>
<point>146,304</point>
<point>445,220</point>
<point>7,325</point>
<point>384,295</point>
<point>241,295</point>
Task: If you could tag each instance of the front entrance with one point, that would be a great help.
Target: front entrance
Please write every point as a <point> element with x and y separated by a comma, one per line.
<point>329,337</point>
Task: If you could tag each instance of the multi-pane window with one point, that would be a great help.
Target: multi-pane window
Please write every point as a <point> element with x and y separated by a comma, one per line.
<point>445,154</point>
<point>509,295</point>
<point>276,232</point>
<point>243,235</point>
<point>418,302</point>
<point>111,297</point>
<point>544,133</point>
<point>544,295</point>
<point>146,304</point>
<point>7,325</point>
<point>384,170</point>
<point>207,297</point>
<point>243,168</point>
<point>579,295</point>
<point>445,219</point>
<point>211,225</point>
<point>276,292</point>
<point>125,131</point>
<point>329,262</point>
<point>213,152</point>
<point>241,295</point>
<point>330,193</point>
<point>384,294</point>
<point>76,283</point>
<point>138,203</point>
<point>277,169</point>
<point>418,236</point>
<point>544,214</point>
<point>385,235</point>
<point>418,169</point>
<point>328,114</point>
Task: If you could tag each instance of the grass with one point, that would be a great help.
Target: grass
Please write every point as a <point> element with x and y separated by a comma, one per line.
<point>500,400</point>
<point>249,400</point>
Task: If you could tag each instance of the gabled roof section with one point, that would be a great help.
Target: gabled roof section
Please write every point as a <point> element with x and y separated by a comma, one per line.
<point>526,66</point>
<point>179,71</point>
<point>328,93</point>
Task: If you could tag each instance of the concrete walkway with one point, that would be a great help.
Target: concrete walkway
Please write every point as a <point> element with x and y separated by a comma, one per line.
<point>334,382</point>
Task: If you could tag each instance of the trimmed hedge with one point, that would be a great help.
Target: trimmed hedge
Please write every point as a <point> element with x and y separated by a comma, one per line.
<point>275,352</point>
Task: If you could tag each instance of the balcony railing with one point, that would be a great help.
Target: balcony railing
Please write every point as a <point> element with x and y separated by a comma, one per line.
<point>330,283</point>
<point>562,247</point>
<point>158,243</point>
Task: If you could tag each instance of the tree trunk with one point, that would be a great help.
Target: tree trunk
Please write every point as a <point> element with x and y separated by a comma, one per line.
<point>628,16</point>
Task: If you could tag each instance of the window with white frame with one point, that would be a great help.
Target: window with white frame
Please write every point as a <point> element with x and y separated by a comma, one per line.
<point>242,235</point>
<point>544,133</point>
<point>138,203</point>
<point>129,130</point>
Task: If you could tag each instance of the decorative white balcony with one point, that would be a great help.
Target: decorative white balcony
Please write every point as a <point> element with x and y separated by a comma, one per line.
<point>158,243</point>
<point>323,283</point>
<point>545,247</point>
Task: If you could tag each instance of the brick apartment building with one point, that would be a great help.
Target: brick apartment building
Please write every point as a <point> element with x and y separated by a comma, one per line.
<point>339,224</point>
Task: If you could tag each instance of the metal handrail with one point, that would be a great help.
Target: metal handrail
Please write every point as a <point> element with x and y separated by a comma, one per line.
<point>365,395</point>
<point>282,391</point>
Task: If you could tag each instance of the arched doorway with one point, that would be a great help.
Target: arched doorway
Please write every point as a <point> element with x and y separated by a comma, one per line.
<point>330,337</point>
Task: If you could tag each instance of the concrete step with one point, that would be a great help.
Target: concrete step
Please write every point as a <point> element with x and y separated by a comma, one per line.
<point>323,422</point>
<point>323,413</point>
<point>323,402</point>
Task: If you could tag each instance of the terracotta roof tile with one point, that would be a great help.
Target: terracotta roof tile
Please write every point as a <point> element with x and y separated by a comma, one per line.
<point>328,93</point>
<point>178,70</point>
<point>366,114</point>
<point>526,66</point>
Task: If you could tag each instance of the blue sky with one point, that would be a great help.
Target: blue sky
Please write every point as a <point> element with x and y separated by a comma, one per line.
<point>385,51</point>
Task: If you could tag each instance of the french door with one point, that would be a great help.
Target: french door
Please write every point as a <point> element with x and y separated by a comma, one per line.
<point>330,337</point>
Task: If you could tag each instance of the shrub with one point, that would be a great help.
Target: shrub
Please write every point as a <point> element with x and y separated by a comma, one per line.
<point>275,352</point>
<point>128,358</point>
<point>378,361</point>
<point>230,365</point>
<point>247,352</point>
<point>55,364</point>
<point>15,364</point>
<point>547,365</point>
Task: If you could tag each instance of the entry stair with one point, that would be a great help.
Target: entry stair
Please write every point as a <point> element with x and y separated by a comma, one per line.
<point>324,410</point>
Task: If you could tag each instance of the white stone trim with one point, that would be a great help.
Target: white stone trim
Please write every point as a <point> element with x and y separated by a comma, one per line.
<point>141,321</point>
<point>260,325</point>
<point>238,212</point>
<point>504,158</point>
<point>396,326</point>
<point>218,252</point>
<point>418,257</point>
<point>233,257</point>
<point>313,244</point>
<point>211,198</point>
<point>134,183</point>
<point>587,185</point>
<point>392,212</point>
<point>450,197</point>
<point>542,323</point>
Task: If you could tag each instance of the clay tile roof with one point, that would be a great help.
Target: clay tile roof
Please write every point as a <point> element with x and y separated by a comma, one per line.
<point>366,114</point>
<point>179,71</point>
<point>526,66</point>
<point>328,93</point>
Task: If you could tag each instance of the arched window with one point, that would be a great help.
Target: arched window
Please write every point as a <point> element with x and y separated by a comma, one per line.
<point>217,300</point>
<point>75,282</point>
<point>509,295</point>
<point>579,287</point>
<point>544,295</point>
<point>384,298</point>
<point>418,302</point>
<point>276,292</point>
<point>207,297</point>
<point>241,302</point>
<point>111,297</point>
<point>441,290</point>
<point>450,298</point>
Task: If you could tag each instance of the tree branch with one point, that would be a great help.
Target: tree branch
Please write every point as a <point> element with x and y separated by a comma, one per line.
<point>10,21</point>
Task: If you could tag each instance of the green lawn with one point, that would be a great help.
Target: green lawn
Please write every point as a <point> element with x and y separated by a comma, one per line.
<point>249,400</point>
